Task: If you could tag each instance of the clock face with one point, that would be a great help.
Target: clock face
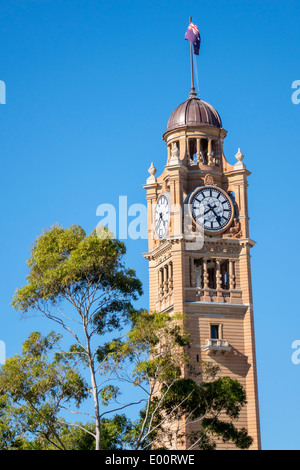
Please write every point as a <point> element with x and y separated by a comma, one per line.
<point>162,216</point>
<point>211,208</point>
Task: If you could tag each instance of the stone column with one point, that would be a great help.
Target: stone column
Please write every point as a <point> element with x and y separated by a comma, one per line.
<point>170,276</point>
<point>169,152</point>
<point>187,150</point>
<point>161,281</point>
<point>219,281</point>
<point>207,297</point>
<point>199,154</point>
<point>217,153</point>
<point>231,275</point>
<point>210,160</point>
<point>166,283</point>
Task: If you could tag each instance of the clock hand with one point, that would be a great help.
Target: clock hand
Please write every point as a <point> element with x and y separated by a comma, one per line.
<point>210,209</point>
<point>218,217</point>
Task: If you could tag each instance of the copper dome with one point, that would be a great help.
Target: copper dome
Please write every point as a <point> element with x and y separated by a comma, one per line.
<point>194,113</point>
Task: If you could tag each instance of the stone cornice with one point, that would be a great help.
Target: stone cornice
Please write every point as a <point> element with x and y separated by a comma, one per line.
<point>161,250</point>
<point>208,245</point>
<point>221,242</point>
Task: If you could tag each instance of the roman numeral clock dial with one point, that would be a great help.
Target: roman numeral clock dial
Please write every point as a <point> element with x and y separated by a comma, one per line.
<point>212,209</point>
<point>162,216</point>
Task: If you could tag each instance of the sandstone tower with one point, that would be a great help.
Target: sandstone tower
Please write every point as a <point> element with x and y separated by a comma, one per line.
<point>208,278</point>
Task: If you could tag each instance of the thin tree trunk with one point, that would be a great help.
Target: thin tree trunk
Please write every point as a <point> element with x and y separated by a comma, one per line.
<point>96,405</point>
<point>94,391</point>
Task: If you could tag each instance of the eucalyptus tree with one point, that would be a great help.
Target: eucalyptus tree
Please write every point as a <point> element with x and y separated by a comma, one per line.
<point>36,387</point>
<point>152,357</point>
<point>81,283</point>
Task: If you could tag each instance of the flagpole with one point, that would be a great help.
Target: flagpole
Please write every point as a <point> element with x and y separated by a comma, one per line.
<point>192,93</point>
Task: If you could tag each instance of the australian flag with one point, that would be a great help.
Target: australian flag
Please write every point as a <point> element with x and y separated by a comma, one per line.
<point>193,36</point>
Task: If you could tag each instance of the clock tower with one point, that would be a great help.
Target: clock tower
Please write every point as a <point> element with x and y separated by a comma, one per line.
<point>199,248</point>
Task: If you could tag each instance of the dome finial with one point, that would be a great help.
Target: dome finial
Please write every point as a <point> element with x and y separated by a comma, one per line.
<point>193,93</point>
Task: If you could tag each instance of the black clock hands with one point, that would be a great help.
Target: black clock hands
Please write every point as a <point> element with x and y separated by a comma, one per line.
<point>208,210</point>
<point>211,208</point>
<point>159,220</point>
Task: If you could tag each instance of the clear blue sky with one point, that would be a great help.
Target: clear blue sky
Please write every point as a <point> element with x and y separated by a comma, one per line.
<point>90,87</point>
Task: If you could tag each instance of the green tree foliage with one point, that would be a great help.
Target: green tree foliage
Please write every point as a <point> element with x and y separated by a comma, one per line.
<point>87,271</point>
<point>113,434</point>
<point>34,389</point>
<point>155,352</point>
<point>81,282</point>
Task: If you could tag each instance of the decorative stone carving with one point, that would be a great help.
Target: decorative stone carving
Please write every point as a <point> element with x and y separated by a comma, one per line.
<point>152,170</point>
<point>174,150</point>
<point>192,162</point>
<point>165,185</point>
<point>235,230</point>
<point>174,160</point>
<point>239,165</point>
<point>196,273</point>
<point>209,180</point>
<point>200,157</point>
<point>220,249</point>
<point>211,160</point>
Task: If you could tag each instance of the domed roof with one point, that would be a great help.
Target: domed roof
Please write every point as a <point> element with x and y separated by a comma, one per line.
<point>194,113</point>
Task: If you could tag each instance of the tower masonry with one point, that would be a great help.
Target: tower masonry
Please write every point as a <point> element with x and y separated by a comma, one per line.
<point>199,247</point>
